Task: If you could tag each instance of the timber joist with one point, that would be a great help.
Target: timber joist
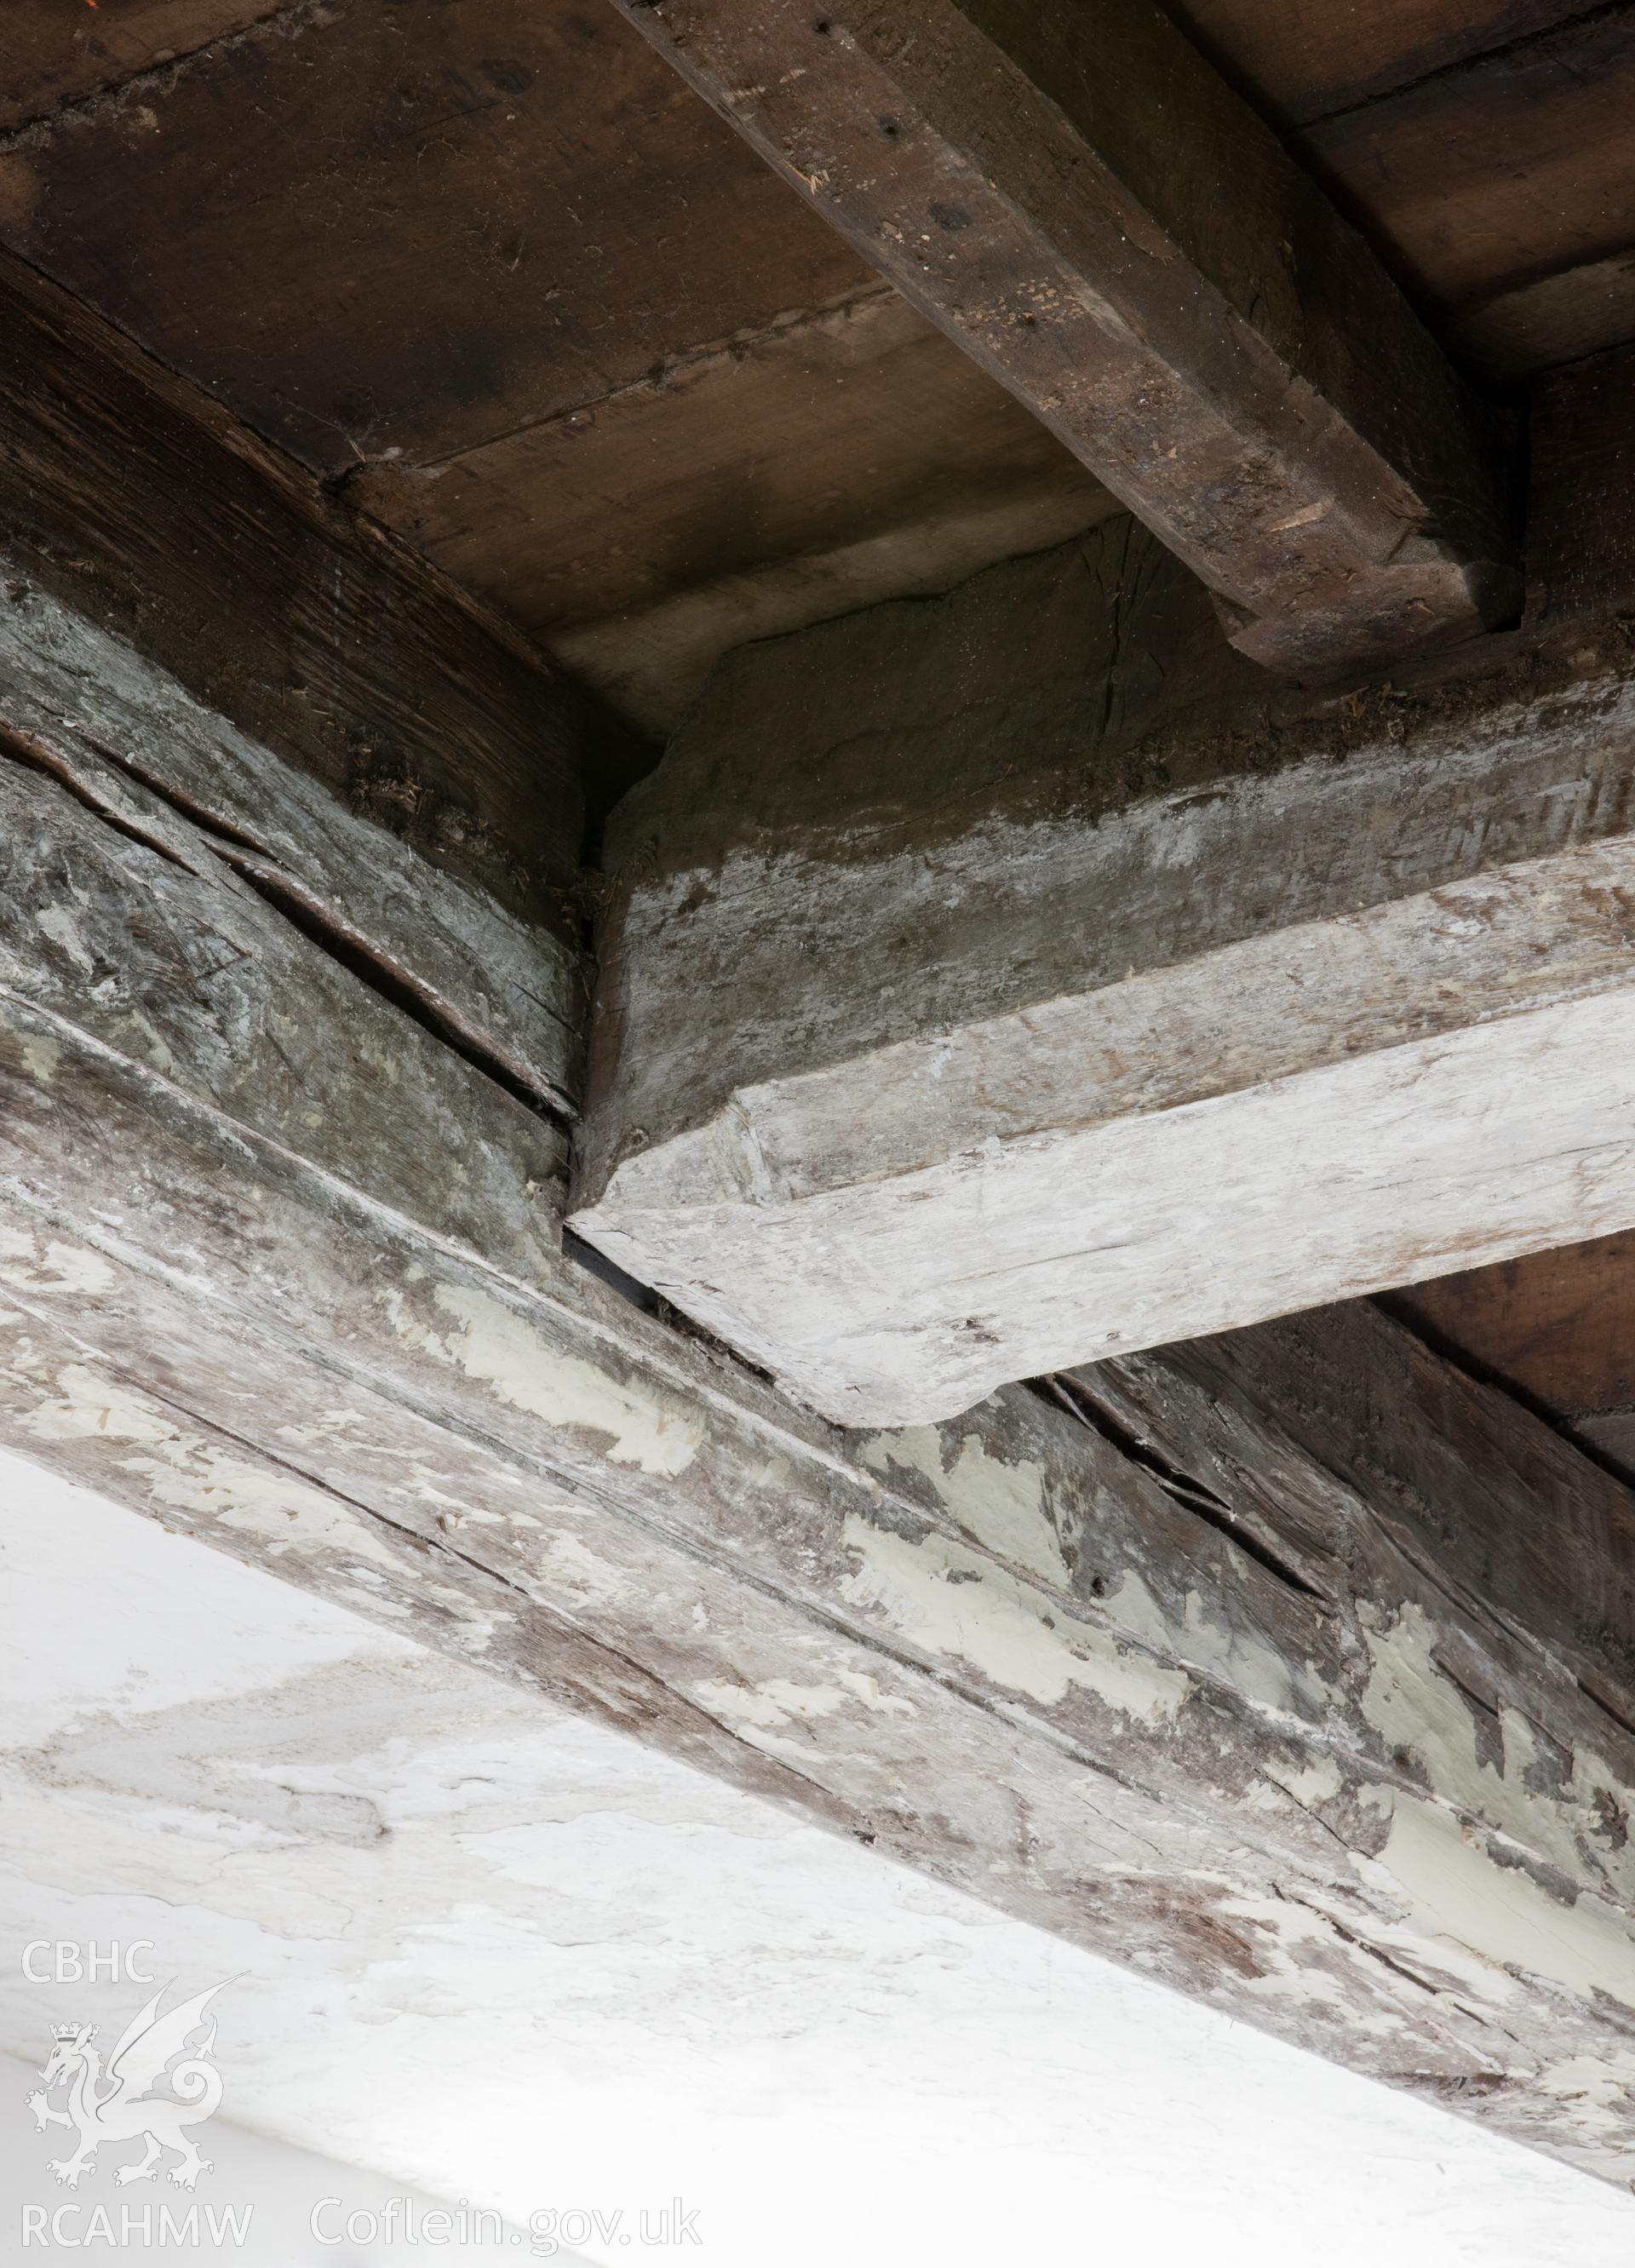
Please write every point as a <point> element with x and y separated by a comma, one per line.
<point>974,1004</point>
<point>1170,876</point>
<point>1123,1651</point>
<point>1079,200</point>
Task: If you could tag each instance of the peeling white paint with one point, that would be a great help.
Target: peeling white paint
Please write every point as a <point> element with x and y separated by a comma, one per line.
<point>946,1601</point>
<point>1412,1703</point>
<point>1315,1782</point>
<point>565,1934</point>
<point>775,1701</point>
<point>40,1057</point>
<point>189,1473</point>
<point>1000,1504</point>
<point>1287,1936</point>
<point>566,1566</point>
<point>494,1343</point>
<point>1454,1888</point>
<point>48,1263</point>
<point>58,923</point>
<point>1602,2089</point>
<point>1251,1665</point>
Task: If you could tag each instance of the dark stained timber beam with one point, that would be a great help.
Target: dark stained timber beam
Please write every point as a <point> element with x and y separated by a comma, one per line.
<point>1000,981</point>
<point>140,505</point>
<point>1079,200</point>
<point>1303,1681</point>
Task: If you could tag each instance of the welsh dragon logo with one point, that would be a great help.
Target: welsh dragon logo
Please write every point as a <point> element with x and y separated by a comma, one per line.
<point>115,2106</point>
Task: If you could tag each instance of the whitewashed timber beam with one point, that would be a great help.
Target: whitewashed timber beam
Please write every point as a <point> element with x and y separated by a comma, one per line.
<point>1292,1716</point>
<point>1000,982</point>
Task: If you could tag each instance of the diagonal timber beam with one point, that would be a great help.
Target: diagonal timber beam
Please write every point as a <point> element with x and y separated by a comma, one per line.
<point>1299,1718</point>
<point>137,501</point>
<point>184,612</point>
<point>1075,197</point>
<point>997,983</point>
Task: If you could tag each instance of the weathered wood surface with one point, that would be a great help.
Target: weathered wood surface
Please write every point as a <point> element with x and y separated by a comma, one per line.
<point>117,907</point>
<point>1217,1712</point>
<point>139,503</point>
<point>420,236</point>
<point>838,456</point>
<point>1546,320</point>
<point>1495,1507</point>
<point>1308,61</point>
<point>1500,171</point>
<point>989,984</point>
<point>54,56</point>
<point>1479,142</point>
<point>1557,1327</point>
<point>82,701</point>
<point>514,291</point>
<point>1581,515</point>
<point>1085,206</point>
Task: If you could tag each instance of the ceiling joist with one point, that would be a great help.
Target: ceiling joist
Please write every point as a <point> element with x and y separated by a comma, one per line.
<point>1079,200</point>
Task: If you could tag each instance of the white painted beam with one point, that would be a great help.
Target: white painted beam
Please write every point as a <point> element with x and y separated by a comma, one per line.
<point>281,1271</point>
<point>997,982</point>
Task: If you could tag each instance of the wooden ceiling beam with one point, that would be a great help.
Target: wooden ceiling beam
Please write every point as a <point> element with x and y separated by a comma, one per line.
<point>1003,980</point>
<point>1297,1674</point>
<point>1077,199</point>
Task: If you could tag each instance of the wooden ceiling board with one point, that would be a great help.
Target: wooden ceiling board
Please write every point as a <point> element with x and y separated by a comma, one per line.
<point>1561,1325</point>
<point>497,265</point>
<point>1483,178</point>
<point>831,429</point>
<point>1537,326</point>
<point>59,51</point>
<point>1307,59</point>
<point>414,229</point>
<point>1482,145</point>
<point>1557,1327</point>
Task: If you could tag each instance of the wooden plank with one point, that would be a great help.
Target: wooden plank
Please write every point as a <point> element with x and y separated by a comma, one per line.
<point>115,904</point>
<point>1580,524</point>
<point>1221,1712</point>
<point>1558,1326</point>
<point>1475,142</point>
<point>1307,59</point>
<point>52,55</point>
<point>1553,319</point>
<point>989,984</point>
<point>408,237</point>
<point>629,372</point>
<point>775,479</point>
<point>1144,268</point>
<point>142,505</point>
<point>651,664</point>
<point>1492,177</point>
<point>1385,1415</point>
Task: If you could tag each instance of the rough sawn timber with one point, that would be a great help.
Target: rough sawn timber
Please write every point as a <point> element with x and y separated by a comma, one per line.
<point>1124,1655</point>
<point>1000,982</point>
<point>1077,199</point>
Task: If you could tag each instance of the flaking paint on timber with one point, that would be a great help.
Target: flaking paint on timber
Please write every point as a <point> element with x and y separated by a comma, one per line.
<point>189,1474</point>
<point>999,1505</point>
<point>1452,1887</point>
<point>949,1602</point>
<point>491,1343</point>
